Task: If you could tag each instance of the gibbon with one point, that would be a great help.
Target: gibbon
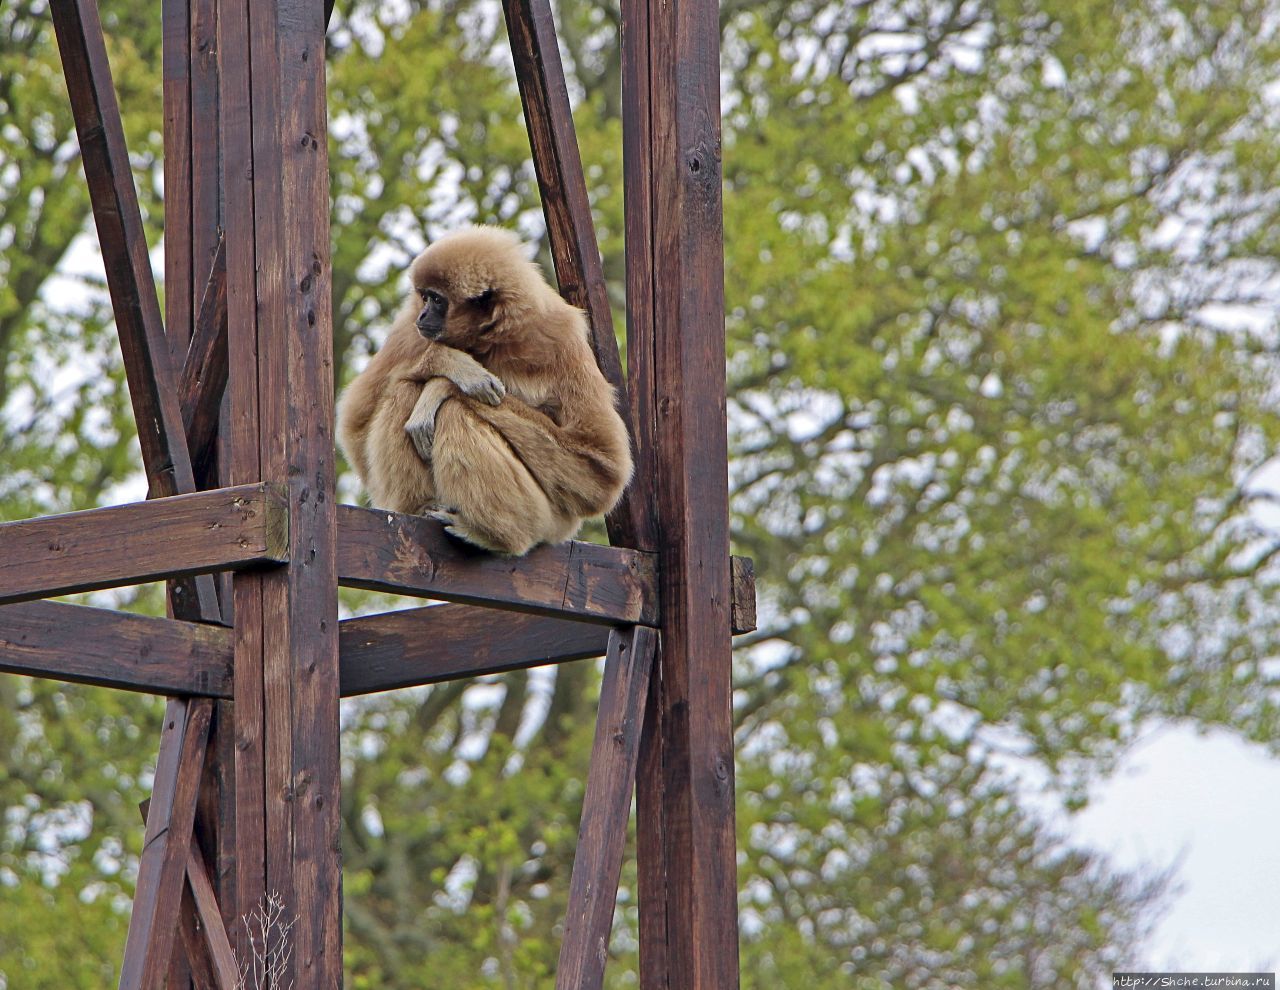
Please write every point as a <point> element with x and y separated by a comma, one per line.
<point>485,408</point>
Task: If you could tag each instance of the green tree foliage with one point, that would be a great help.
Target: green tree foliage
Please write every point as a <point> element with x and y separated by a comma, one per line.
<point>1001,377</point>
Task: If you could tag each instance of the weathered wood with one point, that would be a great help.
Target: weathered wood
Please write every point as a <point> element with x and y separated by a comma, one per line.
<point>124,247</point>
<point>206,183</point>
<point>178,269</point>
<point>143,541</point>
<point>447,642</point>
<point>203,381</point>
<point>685,806</point>
<point>143,343</point>
<point>162,866</point>
<point>388,551</point>
<point>606,808</point>
<point>278,286</point>
<point>115,649</point>
<point>245,462</point>
<point>200,925</point>
<point>743,575</point>
<point>570,230</point>
<point>222,958</point>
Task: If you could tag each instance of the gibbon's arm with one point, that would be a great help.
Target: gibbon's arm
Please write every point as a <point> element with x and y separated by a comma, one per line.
<point>582,466</point>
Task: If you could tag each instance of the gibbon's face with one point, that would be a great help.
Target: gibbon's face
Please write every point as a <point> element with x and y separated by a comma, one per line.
<point>455,318</point>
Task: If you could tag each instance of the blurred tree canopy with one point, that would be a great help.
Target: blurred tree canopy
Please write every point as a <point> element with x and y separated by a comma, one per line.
<point>1000,281</point>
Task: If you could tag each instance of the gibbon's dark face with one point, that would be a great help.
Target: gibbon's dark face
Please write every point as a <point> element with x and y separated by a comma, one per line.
<point>458,321</point>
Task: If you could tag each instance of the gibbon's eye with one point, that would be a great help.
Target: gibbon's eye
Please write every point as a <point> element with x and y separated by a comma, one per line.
<point>431,296</point>
<point>484,300</point>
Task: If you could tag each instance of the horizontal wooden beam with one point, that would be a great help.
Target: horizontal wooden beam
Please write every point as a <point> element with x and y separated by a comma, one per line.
<point>412,555</point>
<point>143,541</point>
<point>448,642</point>
<point>115,649</point>
<point>378,652</point>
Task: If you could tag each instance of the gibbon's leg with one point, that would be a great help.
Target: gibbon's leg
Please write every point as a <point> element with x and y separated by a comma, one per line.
<point>398,478</point>
<point>494,502</point>
<point>583,469</point>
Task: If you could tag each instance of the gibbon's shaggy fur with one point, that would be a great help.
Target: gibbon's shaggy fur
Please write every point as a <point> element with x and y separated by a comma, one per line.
<point>485,407</point>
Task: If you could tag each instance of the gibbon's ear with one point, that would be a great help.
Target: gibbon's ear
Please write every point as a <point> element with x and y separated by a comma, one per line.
<point>484,300</point>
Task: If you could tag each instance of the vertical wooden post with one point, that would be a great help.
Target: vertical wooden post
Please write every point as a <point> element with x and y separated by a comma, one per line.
<point>676,354</point>
<point>275,174</point>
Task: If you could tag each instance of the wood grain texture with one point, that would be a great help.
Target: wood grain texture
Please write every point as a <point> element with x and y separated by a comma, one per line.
<point>221,957</point>
<point>606,808</point>
<point>124,247</point>
<point>685,803</point>
<point>447,642</point>
<point>144,541</point>
<point>278,283</point>
<point>743,575</point>
<point>179,273</point>
<point>163,863</point>
<point>235,127</point>
<point>200,925</point>
<point>203,381</point>
<point>388,551</point>
<point>567,209</point>
<point>143,342</point>
<point>115,649</point>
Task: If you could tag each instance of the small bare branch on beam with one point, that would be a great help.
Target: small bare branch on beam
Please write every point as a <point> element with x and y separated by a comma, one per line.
<point>606,807</point>
<point>388,551</point>
<point>143,541</point>
<point>115,649</point>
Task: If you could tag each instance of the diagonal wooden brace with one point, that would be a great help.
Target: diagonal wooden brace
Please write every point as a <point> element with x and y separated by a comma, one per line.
<point>204,936</point>
<point>606,807</point>
<point>163,867</point>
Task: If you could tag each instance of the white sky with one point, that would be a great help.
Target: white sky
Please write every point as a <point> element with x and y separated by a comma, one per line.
<point>1210,803</point>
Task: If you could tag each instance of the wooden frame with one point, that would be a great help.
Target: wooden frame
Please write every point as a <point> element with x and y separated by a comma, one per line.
<point>233,396</point>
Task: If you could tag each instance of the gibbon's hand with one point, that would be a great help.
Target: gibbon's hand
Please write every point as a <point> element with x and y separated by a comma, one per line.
<point>476,381</point>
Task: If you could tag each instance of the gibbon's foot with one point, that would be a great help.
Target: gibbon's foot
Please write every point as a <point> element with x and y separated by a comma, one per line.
<point>454,526</point>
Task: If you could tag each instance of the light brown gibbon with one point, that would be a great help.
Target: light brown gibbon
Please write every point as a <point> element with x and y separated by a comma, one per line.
<point>485,408</point>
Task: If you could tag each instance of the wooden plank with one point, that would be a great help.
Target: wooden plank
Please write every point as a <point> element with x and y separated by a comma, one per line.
<point>567,209</point>
<point>222,959</point>
<point>206,183</point>
<point>143,541</point>
<point>115,649</point>
<point>145,348</point>
<point>389,551</point>
<point>178,269</point>
<point>606,808</point>
<point>203,381</point>
<point>204,936</point>
<point>282,426</point>
<point>743,576</point>
<point>124,247</point>
<point>235,125</point>
<point>163,863</point>
<point>685,808</point>
<point>447,642</point>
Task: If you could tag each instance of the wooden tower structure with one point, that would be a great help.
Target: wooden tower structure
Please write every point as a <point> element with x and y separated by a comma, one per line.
<point>233,393</point>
